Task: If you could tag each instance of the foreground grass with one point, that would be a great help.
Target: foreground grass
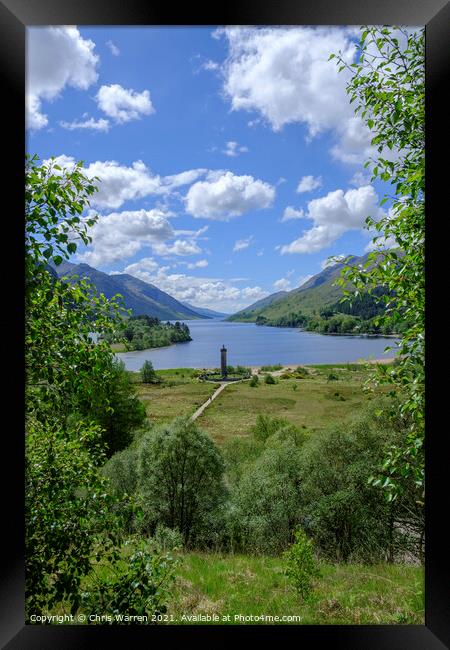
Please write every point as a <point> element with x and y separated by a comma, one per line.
<point>233,585</point>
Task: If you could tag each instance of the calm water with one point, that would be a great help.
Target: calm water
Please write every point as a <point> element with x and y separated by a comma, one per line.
<point>251,345</point>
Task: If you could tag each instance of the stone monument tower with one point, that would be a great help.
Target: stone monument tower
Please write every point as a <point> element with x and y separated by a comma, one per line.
<point>223,361</point>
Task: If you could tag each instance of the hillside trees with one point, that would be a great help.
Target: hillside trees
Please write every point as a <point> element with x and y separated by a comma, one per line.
<point>68,515</point>
<point>387,84</point>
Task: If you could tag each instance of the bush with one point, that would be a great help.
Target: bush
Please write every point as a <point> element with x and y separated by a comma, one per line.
<point>301,566</point>
<point>268,379</point>
<point>332,377</point>
<point>66,510</point>
<point>266,500</point>
<point>148,374</point>
<point>125,413</point>
<point>142,588</point>
<point>167,539</point>
<point>254,381</point>
<point>180,477</point>
<point>349,519</point>
<point>266,426</point>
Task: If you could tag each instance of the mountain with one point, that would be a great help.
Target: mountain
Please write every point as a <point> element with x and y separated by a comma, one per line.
<point>207,313</point>
<point>311,298</point>
<point>141,297</point>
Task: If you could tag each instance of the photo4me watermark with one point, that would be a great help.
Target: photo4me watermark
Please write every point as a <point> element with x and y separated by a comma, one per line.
<point>64,619</point>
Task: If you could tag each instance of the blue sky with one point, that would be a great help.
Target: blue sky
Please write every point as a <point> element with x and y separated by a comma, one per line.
<point>230,159</point>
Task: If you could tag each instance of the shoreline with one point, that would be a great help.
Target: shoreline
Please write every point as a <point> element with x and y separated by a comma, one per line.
<point>284,368</point>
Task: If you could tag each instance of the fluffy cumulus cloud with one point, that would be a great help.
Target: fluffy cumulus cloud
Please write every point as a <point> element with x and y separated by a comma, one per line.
<point>119,235</point>
<point>309,183</point>
<point>223,195</point>
<point>216,293</point>
<point>200,264</point>
<point>291,213</point>
<point>179,247</point>
<point>119,183</point>
<point>123,105</point>
<point>56,57</point>
<point>284,74</point>
<point>334,214</point>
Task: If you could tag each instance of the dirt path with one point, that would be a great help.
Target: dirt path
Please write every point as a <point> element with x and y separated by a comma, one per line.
<point>200,410</point>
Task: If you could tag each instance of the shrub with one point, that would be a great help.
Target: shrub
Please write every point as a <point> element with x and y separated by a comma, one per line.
<point>115,406</point>
<point>142,588</point>
<point>267,500</point>
<point>66,510</point>
<point>268,379</point>
<point>301,566</point>
<point>349,519</point>
<point>167,539</point>
<point>148,374</point>
<point>332,377</point>
<point>180,477</point>
<point>254,381</point>
<point>266,426</point>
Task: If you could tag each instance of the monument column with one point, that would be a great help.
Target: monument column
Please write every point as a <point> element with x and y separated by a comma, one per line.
<point>223,361</point>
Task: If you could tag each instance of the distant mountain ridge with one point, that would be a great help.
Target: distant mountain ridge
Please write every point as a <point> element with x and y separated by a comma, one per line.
<point>141,297</point>
<point>208,313</point>
<point>316,294</point>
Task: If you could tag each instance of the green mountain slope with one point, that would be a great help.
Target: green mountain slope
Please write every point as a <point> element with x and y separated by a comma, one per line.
<point>141,297</point>
<point>315,306</point>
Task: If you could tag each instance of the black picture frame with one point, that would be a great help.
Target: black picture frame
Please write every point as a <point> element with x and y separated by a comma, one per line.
<point>15,16</point>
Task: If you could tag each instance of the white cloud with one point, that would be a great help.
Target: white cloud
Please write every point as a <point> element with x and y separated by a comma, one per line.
<point>291,213</point>
<point>119,183</point>
<point>113,48</point>
<point>284,74</point>
<point>359,178</point>
<point>90,124</point>
<point>124,105</point>
<point>260,253</point>
<point>283,284</point>
<point>233,148</point>
<point>215,293</point>
<point>242,244</point>
<point>179,247</point>
<point>119,235</point>
<point>56,57</point>
<point>309,183</point>
<point>333,215</point>
<point>201,264</point>
<point>223,196</point>
<point>210,65</point>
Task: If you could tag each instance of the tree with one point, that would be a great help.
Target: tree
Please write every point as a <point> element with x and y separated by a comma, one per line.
<point>68,522</point>
<point>180,477</point>
<point>148,374</point>
<point>387,84</point>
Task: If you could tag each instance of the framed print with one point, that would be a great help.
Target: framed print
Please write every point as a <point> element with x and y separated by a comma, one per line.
<point>226,296</point>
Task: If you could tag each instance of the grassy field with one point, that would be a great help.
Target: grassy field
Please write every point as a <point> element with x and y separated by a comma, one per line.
<point>178,394</point>
<point>344,594</point>
<point>313,402</point>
